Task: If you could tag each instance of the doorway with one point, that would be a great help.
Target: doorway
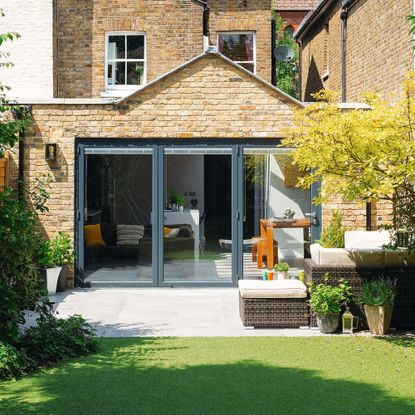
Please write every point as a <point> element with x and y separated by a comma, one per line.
<point>181,214</point>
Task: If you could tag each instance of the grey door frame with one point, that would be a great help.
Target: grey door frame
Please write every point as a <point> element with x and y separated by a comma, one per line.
<point>158,147</point>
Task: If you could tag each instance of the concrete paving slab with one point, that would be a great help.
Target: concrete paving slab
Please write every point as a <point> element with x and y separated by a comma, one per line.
<point>148,312</point>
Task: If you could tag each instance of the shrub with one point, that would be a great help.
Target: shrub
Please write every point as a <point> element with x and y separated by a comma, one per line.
<point>20,283</point>
<point>12,362</point>
<point>328,299</point>
<point>332,236</point>
<point>54,339</point>
<point>379,292</point>
<point>57,252</point>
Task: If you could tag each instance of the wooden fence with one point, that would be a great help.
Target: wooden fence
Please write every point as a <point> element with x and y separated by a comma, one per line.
<point>4,171</point>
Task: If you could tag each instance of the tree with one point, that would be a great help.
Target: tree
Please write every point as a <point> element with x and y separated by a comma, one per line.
<point>14,119</point>
<point>362,155</point>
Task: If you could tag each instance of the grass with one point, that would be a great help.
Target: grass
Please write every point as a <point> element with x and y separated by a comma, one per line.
<point>321,375</point>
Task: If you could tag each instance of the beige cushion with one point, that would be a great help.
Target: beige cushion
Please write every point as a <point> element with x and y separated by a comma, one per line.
<point>347,257</point>
<point>334,256</point>
<point>272,289</point>
<point>365,239</point>
<point>367,258</point>
<point>399,258</point>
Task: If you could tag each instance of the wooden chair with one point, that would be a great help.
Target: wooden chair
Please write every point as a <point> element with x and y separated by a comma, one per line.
<point>258,251</point>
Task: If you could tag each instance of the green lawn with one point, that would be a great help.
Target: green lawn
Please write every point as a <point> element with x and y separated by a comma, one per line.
<point>320,375</point>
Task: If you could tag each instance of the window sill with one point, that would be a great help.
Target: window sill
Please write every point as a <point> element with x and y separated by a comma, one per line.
<point>119,93</point>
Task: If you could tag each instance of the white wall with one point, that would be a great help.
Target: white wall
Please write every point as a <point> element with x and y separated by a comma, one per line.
<point>186,174</point>
<point>290,241</point>
<point>32,54</point>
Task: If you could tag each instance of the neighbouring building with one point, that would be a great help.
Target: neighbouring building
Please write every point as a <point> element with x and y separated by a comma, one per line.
<point>352,47</point>
<point>293,11</point>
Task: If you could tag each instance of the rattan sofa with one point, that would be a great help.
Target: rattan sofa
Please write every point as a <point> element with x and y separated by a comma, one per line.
<point>404,311</point>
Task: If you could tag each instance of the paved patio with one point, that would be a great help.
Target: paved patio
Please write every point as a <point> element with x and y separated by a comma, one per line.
<point>163,312</point>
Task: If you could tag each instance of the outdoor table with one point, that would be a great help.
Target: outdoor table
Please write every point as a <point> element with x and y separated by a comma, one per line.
<point>267,227</point>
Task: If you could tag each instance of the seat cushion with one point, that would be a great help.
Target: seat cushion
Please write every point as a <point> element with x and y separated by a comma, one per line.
<point>272,289</point>
<point>366,240</point>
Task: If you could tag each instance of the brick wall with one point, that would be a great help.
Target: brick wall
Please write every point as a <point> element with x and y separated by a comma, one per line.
<point>208,98</point>
<point>31,77</point>
<point>248,15</point>
<point>173,36</point>
<point>379,51</point>
<point>293,4</point>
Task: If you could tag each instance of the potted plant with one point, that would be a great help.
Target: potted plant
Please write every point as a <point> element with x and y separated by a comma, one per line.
<point>282,270</point>
<point>378,298</point>
<point>56,256</point>
<point>289,214</point>
<point>173,200</point>
<point>180,201</point>
<point>326,301</point>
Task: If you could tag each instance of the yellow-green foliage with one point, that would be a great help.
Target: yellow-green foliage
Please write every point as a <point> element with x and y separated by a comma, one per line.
<point>363,154</point>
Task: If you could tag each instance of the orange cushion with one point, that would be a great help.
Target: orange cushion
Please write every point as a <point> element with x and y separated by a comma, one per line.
<point>93,236</point>
<point>166,231</point>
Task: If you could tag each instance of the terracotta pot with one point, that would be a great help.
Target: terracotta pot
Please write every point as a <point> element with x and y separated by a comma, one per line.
<point>378,318</point>
<point>328,323</point>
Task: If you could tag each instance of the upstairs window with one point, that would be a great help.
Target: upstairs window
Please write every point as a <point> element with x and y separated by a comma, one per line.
<point>125,60</point>
<point>240,47</point>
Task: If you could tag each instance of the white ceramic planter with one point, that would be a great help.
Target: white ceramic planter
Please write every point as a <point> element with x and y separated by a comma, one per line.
<point>282,275</point>
<point>52,275</point>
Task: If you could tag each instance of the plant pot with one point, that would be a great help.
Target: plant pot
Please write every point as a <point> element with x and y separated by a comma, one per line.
<point>52,276</point>
<point>328,323</point>
<point>63,277</point>
<point>282,275</point>
<point>181,208</point>
<point>378,318</point>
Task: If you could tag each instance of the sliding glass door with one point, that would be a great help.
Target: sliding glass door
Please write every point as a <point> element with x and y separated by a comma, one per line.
<point>118,239</point>
<point>166,214</point>
<point>276,213</point>
<point>197,219</point>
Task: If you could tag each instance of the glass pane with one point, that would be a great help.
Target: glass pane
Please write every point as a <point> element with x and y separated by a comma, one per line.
<point>249,66</point>
<point>135,73</point>
<point>118,231</point>
<point>135,47</point>
<point>238,47</point>
<point>119,75</point>
<point>116,47</point>
<point>197,218</point>
<point>270,193</point>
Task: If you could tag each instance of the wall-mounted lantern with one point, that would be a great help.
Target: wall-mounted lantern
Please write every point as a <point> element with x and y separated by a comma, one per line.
<point>50,152</point>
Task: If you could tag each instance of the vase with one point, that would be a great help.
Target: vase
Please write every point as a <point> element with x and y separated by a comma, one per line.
<point>378,318</point>
<point>328,323</point>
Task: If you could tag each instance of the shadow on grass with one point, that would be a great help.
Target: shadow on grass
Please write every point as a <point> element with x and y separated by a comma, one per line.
<point>131,379</point>
<point>404,340</point>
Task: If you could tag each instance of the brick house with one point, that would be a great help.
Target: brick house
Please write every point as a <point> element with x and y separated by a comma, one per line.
<point>352,47</point>
<point>160,127</point>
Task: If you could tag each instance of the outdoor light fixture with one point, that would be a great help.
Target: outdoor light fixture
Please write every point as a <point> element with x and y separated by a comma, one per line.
<point>50,152</point>
<point>348,322</point>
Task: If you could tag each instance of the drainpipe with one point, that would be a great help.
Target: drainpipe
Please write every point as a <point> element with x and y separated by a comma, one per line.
<point>206,10</point>
<point>300,72</point>
<point>344,16</point>
<point>273,58</point>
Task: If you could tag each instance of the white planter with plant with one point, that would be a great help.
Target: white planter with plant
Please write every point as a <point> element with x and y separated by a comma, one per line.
<point>180,203</point>
<point>326,301</point>
<point>282,269</point>
<point>378,298</point>
<point>56,255</point>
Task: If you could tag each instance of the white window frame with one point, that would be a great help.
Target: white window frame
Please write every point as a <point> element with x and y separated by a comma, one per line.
<point>109,87</point>
<point>240,33</point>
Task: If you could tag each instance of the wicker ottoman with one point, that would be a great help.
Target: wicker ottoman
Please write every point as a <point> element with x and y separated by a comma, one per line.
<point>276,304</point>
